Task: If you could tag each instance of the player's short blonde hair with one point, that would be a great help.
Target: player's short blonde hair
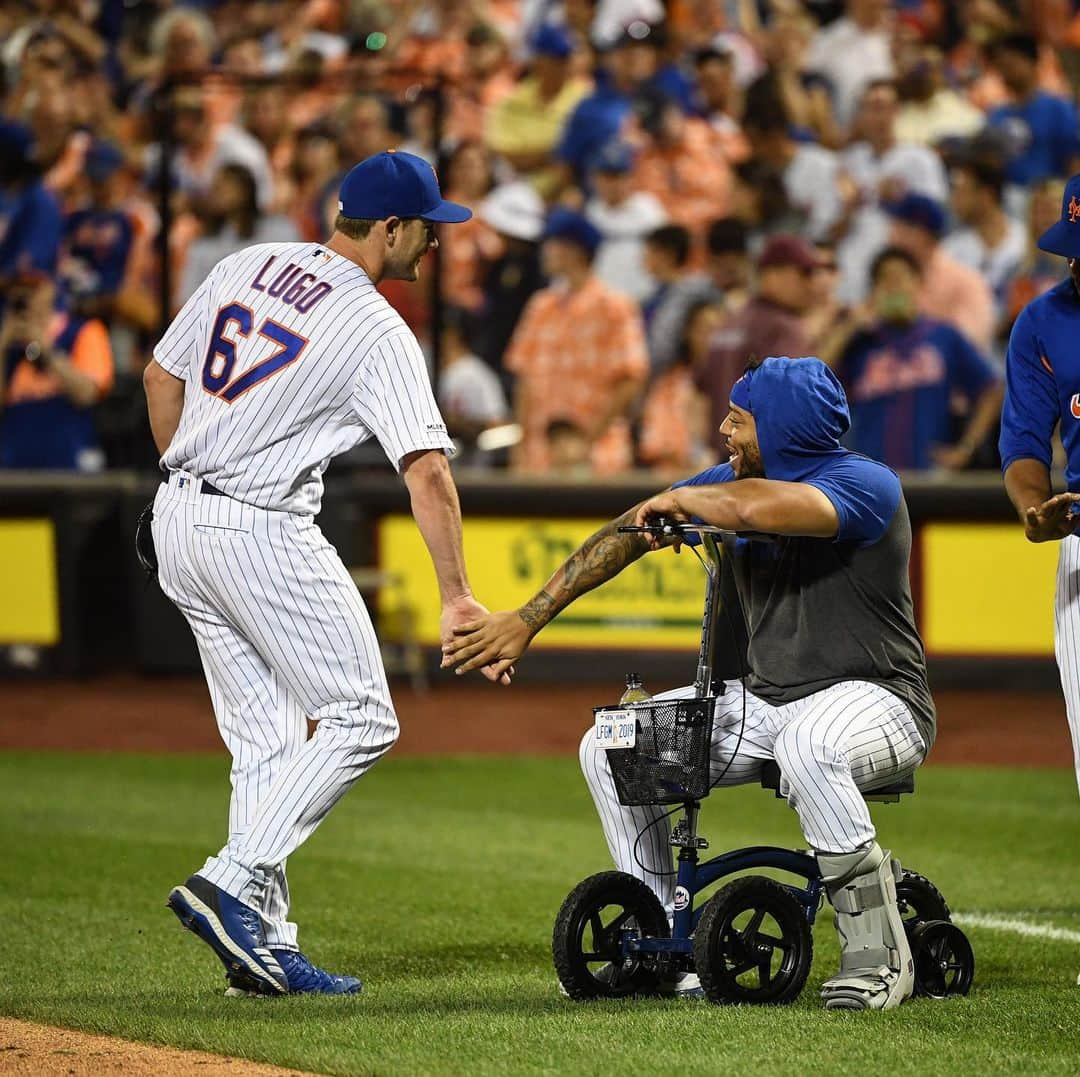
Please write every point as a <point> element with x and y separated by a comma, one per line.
<point>353,227</point>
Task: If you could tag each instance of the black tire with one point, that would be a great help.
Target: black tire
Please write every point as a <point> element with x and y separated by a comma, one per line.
<point>736,960</point>
<point>943,958</point>
<point>920,901</point>
<point>587,941</point>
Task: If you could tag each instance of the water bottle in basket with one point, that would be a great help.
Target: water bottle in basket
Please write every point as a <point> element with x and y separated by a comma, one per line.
<point>635,691</point>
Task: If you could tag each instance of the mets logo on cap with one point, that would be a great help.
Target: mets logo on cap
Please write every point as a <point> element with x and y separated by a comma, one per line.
<point>1062,237</point>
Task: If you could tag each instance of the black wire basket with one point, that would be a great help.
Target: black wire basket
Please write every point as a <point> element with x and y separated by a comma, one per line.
<point>669,762</point>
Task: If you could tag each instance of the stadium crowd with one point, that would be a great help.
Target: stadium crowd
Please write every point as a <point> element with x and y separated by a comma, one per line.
<point>660,190</point>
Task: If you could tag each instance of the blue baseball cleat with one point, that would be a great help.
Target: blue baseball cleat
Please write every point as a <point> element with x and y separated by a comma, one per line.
<point>304,979</point>
<point>232,930</point>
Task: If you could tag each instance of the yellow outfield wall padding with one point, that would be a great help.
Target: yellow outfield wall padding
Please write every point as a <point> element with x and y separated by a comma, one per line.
<point>655,602</point>
<point>29,593</point>
<point>986,590</point>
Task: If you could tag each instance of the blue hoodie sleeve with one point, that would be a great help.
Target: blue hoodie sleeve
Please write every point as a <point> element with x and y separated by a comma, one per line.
<point>865,495</point>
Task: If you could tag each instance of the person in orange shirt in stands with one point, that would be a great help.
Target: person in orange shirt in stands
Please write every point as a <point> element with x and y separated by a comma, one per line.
<point>682,164</point>
<point>53,369</point>
<point>951,291</point>
<point>578,353</point>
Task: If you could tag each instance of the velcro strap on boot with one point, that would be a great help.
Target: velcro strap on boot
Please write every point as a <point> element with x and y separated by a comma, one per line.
<point>872,959</point>
<point>858,897</point>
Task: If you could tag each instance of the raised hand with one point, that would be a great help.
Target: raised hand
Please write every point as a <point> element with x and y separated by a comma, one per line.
<point>1053,519</point>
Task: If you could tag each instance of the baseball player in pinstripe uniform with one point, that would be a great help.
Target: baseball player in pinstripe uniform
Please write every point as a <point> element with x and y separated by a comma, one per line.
<point>285,357</point>
<point>836,691</point>
<point>1042,389</point>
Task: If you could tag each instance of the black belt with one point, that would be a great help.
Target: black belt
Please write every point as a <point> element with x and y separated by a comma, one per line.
<point>207,488</point>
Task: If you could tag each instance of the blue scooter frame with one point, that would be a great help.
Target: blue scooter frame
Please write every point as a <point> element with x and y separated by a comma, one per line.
<point>693,876</point>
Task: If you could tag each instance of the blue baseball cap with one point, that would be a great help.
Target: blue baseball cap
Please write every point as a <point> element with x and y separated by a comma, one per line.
<point>552,41</point>
<point>102,160</point>
<point>1063,236</point>
<point>614,156</point>
<point>566,224</point>
<point>394,184</point>
<point>920,210</point>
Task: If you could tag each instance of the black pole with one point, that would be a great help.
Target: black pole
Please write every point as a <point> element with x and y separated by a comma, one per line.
<point>436,255</point>
<point>163,113</point>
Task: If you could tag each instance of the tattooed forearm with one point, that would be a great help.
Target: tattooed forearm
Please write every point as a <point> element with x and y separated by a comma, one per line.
<point>538,611</point>
<point>600,557</point>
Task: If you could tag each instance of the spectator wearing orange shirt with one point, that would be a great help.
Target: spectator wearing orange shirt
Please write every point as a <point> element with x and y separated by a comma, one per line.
<point>53,369</point>
<point>675,416</point>
<point>467,253</point>
<point>952,292</point>
<point>578,353</point>
<point>682,163</point>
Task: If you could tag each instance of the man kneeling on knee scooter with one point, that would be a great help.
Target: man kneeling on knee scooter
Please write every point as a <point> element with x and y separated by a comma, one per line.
<point>836,690</point>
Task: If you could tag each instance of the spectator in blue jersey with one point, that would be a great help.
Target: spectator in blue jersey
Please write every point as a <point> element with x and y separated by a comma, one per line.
<point>1038,129</point>
<point>903,372</point>
<point>98,237</point>
<point>29,213</point>
<point>631,64</point>
<point>53,368</point>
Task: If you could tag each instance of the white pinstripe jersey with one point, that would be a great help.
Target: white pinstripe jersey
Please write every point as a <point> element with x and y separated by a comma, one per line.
<point>291,357</point>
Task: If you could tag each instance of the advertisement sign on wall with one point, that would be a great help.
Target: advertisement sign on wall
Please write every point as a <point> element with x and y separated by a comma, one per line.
<point>655,602</point>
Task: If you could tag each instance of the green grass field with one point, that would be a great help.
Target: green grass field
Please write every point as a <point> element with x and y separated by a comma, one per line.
<point>438,881</point>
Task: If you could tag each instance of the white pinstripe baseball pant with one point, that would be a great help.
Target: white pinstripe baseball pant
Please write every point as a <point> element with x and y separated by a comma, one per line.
<point>283,636</point>
<point>852,736</point>
<point>1067,636</point>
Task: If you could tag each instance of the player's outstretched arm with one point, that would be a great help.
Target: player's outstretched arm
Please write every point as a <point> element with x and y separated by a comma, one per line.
<point>500,639</point>
<point>762,505</point>
<point>437,511</point>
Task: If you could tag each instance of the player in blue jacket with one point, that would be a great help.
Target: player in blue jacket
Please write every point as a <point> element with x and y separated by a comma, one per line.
<point>1042,389</point>
<point>836,692</point>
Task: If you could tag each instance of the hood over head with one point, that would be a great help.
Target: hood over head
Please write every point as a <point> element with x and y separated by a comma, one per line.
<point>800,411</point>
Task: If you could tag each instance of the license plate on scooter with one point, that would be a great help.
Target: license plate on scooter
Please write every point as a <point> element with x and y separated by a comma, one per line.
<point>616,729</point>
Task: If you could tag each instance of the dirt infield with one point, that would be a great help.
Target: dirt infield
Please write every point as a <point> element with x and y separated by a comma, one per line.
<point>127,713</point>
<point>39,1049</point>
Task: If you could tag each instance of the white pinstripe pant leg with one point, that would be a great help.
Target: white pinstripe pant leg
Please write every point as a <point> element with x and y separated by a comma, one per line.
<point>1067,636</point>
<point>260,723</point>
<point>263,728</point>
<point>848,737</point>
<point>652,860</point>
<point>274,577</point>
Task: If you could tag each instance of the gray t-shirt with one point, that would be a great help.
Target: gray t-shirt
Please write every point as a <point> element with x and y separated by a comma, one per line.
<point>819,612</point>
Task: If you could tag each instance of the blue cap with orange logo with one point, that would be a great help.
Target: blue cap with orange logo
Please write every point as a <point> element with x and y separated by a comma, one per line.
<point>1063,236</point>
<point>392,184</point>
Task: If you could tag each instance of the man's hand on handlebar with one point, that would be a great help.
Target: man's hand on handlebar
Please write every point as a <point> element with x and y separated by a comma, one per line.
<point>657,511</point>
<point>493,642</point>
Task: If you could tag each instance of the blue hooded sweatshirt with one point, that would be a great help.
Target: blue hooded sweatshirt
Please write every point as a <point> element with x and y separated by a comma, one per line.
<point>821,612</point>
<point>801,414</point>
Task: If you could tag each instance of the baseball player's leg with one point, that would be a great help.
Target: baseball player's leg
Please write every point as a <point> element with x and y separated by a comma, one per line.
<point>852,736</point>
<point>260,723</point>
<point>1067,636</point>
<point>637,837</point>
<point>286,588</point>
<point>263,726</point>
<point>849,737</point>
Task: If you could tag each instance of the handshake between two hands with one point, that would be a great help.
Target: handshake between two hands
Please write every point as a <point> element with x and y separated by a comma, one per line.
<point>472,638</point>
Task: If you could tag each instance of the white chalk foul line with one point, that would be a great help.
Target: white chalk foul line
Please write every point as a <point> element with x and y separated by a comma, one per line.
<point>1017,926</point>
